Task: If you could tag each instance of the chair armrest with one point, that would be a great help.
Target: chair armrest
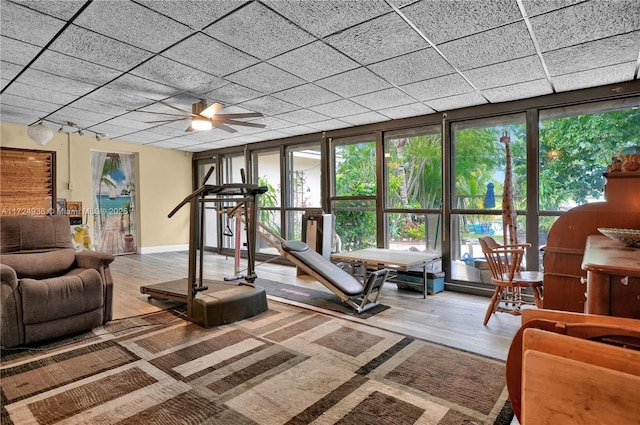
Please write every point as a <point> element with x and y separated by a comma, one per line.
<point>11,325</point>
<point>8,276</point>
<point>517,246</point>
<point>93,260</point>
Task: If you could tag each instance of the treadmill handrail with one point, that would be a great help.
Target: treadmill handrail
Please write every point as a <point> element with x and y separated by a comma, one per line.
<point>242,189</point>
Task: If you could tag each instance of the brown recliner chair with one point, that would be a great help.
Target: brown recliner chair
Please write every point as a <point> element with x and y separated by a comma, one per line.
<point>48,290</point>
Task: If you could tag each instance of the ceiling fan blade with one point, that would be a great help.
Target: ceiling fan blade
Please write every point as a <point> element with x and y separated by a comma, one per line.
<point>189,129</point>
<point>246,124</point>
<point>243,115</point>
<point>224,127</point>
<point>176,108</point>
<point>212,110</point>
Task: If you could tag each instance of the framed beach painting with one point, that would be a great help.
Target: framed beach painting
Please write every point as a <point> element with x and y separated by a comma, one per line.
<point>114,202</point>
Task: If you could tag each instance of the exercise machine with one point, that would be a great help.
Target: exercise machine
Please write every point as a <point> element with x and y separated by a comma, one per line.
<point>209,302</point>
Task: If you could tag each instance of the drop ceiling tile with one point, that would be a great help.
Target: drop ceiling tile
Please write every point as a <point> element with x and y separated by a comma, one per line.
<point>405,111</point>
<point>595,77</point>
<point>297,130</point>
<point>366,118</point>
<point>307,95</point>
<point>259,31</point>
<point>412,67</point>
<point>314,61</point>
<point>434,88</point>
<point>17,22</point>
<point>381,38</point>
<point>171,73</point>
<point>302,116</point>
<point>75,69</point>
<point>169,144</point>
<point>268,105</point>
<point>89,104</point>
<point>20,106</point>
<point>585,22</point>
<point>191,12</point>
<point>132,24</point>
<point>33,77</point>
<point>322,18</point>
<point>538,7</point>
<point>209,55</point>
<point>132,121</point>
<point>493,46</point>
<point>266,78</point>
<point>81,117</point>
<point>354,82</point>
<point>340,108</point>
<point>387,98</point>
<point>506,73</point>
<point>271,135</point>
<point>16,115</point>
<point>596,54</point>
<point>113,130</point>
<point>3,83</point>
<point>231,93</point>
<point>442,21</point>
<point>518,91</point>
<point>118,98</point>
<point>332,124</point>
<point>9,70</point>
<point>58,9</point>
<point>142,137</point>
<point>17,52</point>
<point>456,102</point>
<point>83,44</point>
<point>39,93</point>
<point>271,123</point>
<point>138,86</point>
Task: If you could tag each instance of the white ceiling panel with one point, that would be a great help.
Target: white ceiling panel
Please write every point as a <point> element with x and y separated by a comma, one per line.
<point>257,30</point>
<point>314,61</point>
<point>381,38</point>
<point>307,66</point>
<point>442,21</point>
<point>121,21</point>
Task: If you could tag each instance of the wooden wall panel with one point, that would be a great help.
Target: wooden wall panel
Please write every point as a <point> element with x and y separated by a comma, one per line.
<point>27,182</point>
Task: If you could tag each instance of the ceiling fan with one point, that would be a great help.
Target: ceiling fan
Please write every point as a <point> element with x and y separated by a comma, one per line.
<point>204,117</point>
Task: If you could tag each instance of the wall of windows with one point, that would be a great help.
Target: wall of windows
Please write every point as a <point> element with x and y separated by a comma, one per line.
<point>434,184</point>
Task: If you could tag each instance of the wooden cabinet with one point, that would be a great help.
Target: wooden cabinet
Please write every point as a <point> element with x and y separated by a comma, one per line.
<point>613,278</point>
<point>564,279</point>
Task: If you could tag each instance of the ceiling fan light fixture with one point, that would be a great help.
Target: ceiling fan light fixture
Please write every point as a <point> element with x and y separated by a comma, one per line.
<point>39,133</point>
<point>201,124</point>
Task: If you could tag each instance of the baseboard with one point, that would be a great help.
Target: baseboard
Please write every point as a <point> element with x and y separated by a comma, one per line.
<point>163,248</point>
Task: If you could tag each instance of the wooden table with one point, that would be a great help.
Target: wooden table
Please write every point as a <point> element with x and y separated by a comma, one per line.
<point>379,258</point>
<point>613,277</point>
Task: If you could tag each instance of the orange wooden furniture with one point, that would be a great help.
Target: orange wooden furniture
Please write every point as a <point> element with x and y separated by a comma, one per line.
<point>574,368</point>
<point>564,278</point>
<point>505,262</point>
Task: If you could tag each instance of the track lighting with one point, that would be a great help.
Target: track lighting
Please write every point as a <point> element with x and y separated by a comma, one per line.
<point>38,132</point>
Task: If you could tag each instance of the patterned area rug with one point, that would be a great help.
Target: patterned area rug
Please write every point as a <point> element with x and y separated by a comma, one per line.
<point>286,366</point>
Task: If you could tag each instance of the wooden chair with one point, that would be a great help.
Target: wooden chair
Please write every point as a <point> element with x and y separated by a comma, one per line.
<point>576,368</point>
<point>505,262</point>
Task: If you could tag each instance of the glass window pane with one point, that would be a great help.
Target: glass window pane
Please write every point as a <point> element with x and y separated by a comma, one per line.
<point>480,162</point>
<point>355,223</point>
<point>304,177</point>
<point>413,166</point>
<point>414,232</point>
<point>355,169</point>
<point>576,146</point>
<point>268,174</point>
<point>231,168</point>
<point>294,225</point>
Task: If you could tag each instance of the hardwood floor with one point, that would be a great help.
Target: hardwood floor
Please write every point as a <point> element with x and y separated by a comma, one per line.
<point>448,318</point>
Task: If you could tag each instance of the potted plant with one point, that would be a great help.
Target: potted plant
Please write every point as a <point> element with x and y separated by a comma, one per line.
<point>128,237</point>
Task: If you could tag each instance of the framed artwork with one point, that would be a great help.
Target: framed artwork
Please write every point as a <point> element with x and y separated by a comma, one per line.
<point>61,206</point>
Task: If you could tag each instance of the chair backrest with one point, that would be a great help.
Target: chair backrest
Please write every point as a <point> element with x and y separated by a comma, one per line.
<point>504,262</point>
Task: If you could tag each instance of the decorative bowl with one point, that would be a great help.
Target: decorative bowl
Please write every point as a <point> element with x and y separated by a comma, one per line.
<point>629,237</point>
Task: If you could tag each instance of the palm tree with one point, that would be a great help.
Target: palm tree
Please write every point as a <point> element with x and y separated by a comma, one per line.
<point>111,164</point>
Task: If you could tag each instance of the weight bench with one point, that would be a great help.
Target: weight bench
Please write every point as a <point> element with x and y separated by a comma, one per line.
<point>349,289</point>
